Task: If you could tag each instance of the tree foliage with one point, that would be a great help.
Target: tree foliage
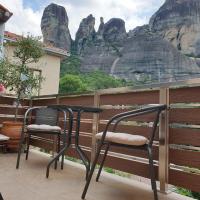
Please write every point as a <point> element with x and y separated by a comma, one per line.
<point>71,84</point>
<point>17,76</point>
<point>99,80</point>
<point>71,65</point>
<point>95,80</point>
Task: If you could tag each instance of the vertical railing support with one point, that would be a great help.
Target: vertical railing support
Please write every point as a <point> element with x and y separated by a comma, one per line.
<point>95,125</point>
<point>164,142</point>
<point>57,99</point>
<point>55,137</point>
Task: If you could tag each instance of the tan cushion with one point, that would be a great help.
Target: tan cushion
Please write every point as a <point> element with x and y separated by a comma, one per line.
<point>43,127</point>
<point>123,138</point>
<point>3,138</point>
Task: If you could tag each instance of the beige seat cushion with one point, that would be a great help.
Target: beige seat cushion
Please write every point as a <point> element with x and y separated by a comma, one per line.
<point>123,138</point>
<point>3,138</point>
<point>43,127</point>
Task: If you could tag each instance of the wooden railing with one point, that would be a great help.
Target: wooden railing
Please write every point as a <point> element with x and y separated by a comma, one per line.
<point>177,145</point>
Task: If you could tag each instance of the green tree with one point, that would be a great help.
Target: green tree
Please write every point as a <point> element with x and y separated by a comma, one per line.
<point>71,65</point>
<point>99,80</point>
<point>17,76</point>
<point>71,84</point>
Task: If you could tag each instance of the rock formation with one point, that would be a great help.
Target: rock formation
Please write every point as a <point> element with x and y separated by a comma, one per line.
<point>146,55</point>
<point>114,30</point>
<point>54,26</point>
<point>178,21</point>
<point>154,51</point>
<point>166,49</point>
<point>85,34</point>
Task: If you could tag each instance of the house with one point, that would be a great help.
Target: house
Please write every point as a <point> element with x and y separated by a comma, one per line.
<point>5,14</point>
<point>48,65</point>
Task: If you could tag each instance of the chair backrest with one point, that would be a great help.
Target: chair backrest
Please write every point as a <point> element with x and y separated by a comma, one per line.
<point>48,116</point>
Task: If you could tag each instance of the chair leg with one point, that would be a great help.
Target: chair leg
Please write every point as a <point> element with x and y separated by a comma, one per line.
<point>28,144</point>
<point>58,150</point>
<point>91,172</point>
<point>152,173</point>
<point>102,162</point>
<point>20,148</point>
<point>62,161</point>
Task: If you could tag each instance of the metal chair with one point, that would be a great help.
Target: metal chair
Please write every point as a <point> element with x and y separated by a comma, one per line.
<point>45,121</point>
<point>108,138</point>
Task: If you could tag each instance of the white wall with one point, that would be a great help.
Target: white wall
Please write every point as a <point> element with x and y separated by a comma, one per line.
<point>50,67</point>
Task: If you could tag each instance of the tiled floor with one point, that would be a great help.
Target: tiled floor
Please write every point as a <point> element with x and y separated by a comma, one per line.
<point>29,183</point>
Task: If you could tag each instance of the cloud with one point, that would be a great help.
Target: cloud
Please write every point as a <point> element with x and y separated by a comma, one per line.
<point>24,20</point>
<point>27,16</point>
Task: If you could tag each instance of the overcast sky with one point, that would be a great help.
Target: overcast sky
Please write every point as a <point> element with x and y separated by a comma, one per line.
<point>27,13</point>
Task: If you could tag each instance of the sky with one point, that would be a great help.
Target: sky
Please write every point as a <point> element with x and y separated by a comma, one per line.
<point>27,13</point>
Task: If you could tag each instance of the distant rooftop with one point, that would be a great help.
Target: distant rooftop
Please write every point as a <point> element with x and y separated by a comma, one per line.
<point>9,36</point>
<point>5,14</point>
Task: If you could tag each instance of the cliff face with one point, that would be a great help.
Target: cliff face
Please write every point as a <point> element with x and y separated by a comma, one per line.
<point>85,34</point>
<point>54,26</point>
<point>166,49</point>
<point>178,21</point>
<point>146,55</point>
<point>104,48</point>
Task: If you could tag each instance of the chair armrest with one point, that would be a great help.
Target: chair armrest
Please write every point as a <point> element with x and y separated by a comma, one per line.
<point>142,111</point>
<point>133,113</point>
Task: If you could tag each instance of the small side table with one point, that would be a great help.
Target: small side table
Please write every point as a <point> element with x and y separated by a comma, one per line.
<point>3,142</point>
<point>79,110</point>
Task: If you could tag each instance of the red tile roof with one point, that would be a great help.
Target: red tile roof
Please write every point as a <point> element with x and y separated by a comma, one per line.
<point>51,49</point>
<point>11,36</point>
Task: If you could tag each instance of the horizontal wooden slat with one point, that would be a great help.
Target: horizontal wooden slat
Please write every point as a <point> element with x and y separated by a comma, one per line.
<point>185,95</point>
<point>80,100</point>
<point>84,140</point>
<point>133,167</point>
<point>109,113</point>
<point>44,102</point>
<point>3,119</point>
<point>135,130</point>
<point>144,97</point>
<point>49,146</point>
<point>10,101</point>
<point>11,110</point>
<point>41,144</point>
<point>6,100</point>
<point>134,152</point>
<point>184,158</point>
<point>73,153</point>
<point>185,115</point>
<point>184,179</point>
<point>185,136</point>
<point>84,127</point>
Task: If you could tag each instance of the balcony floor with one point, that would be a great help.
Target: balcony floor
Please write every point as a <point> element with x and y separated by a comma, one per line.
<point>29,182</point>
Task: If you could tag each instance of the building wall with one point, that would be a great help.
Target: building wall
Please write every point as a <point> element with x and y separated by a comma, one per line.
<point>50,70</point>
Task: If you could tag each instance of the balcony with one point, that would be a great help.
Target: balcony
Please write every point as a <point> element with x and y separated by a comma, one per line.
<point>29,182</point>
<point>176,149</point>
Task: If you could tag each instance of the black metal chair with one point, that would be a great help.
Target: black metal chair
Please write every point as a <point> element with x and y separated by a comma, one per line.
<point>45,121</point>
<point>108,138</point>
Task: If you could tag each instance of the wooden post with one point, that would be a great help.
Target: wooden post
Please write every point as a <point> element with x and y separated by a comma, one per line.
<point>164,142</point>
<point>95,125</point>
